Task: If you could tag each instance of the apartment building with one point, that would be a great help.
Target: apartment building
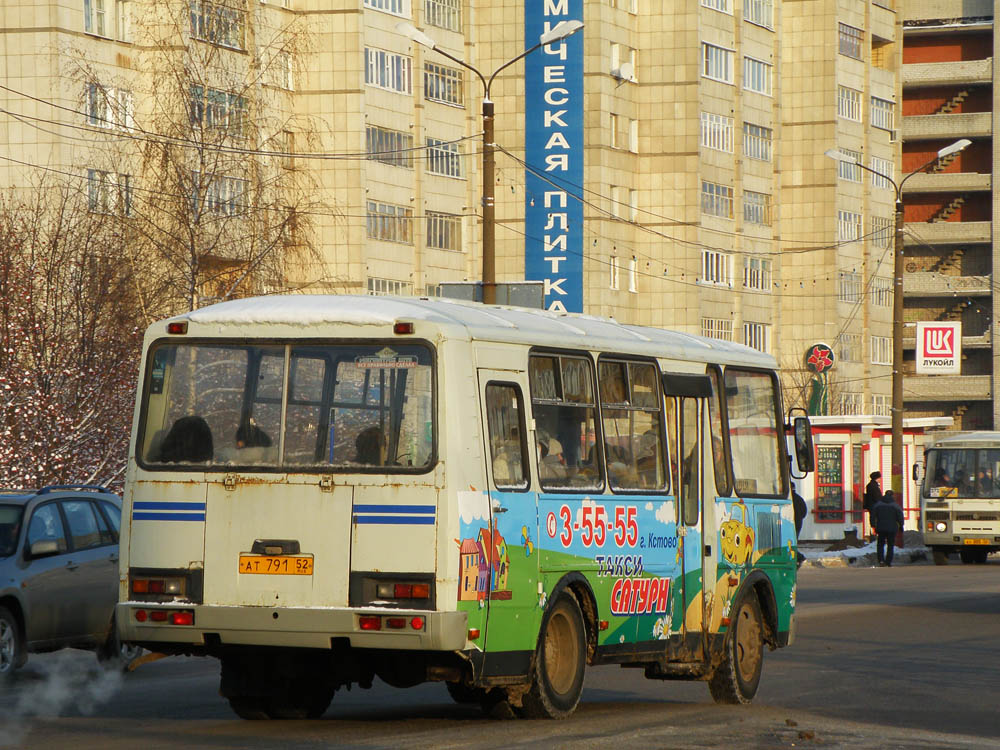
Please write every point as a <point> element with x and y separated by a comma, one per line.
<point>663,166</point>
<point>951,248</point>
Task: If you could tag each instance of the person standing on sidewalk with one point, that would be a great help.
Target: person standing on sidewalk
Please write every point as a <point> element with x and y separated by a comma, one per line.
<point>886,518</point>
<point>873,493</point>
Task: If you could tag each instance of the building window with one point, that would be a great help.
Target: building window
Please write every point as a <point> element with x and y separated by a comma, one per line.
<point>759,12</point>
<point>222,23</point>
<point>851,41</point>
<point>110,107</point>
<point>215,109</point>
<point>716,199</point>
<point>380,287</point>
<point>882,113</point>
<point>633,275</point>
<point>756,76</point>
<point>613,271</point>
<point>621,54</point>
<point>881,350</point>
<point>444,231</point>
<point>717,63</point>
<point>443,84</point>
<point>445,14</point>
<point>757,336</point>
<point>109,193</point>
<point>444,158</point>
<point>884,167</point>
<point>757,273</point>
<point>717,132</point>
<point>882,291</point>
<point>387,70</point>
<point>95,17</point>
<point>220,195</point>
<point>624,203</point>
<point>389,146</point>
<point>849,349</point>
<point>757,142</point>
<point>632,6</point>
<point>829,483</point>
<point>851,403</point>
<point>849,103</point>
<point>882,231</point>
<point>390,223</point>
<point>849,286</point>
<point>849,170</point>
<point>881,405</point>
<point>717,328</point>
<point>716,268</point>
<point>279,73</point>
<point>722,5</point>
<point>395,7</point>
<point>848,226</point>
<point>756,208</point>
<point>624,133</point>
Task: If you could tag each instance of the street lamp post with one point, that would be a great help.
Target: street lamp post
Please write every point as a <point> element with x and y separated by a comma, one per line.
<point>897,304</point>
<point>558,32</point>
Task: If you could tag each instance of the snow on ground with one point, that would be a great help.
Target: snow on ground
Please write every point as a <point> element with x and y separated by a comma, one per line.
<point>817,554</point>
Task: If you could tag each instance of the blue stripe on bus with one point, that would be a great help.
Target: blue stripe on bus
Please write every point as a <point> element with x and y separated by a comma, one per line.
<point>395,509</point>
<point>421,520</point>
<point>147,516</point>
<point>145,505</point>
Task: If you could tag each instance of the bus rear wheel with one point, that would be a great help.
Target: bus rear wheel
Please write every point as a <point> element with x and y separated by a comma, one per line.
<point>560,660</point>
<point>736,678</point>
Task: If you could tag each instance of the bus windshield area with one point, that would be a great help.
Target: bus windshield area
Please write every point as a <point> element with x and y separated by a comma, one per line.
<point>337,407</point>
<point>963,473</point>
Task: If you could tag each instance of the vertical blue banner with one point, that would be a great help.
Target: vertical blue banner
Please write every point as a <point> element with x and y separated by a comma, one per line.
<point>553,144</point>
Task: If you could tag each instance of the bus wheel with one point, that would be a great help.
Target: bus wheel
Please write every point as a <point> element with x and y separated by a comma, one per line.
<point>940,556</point>
<point>298,705</point>
<point>251,707</point>
<point>735,680</point>
<point>560,660</point>
<point>967,556</point>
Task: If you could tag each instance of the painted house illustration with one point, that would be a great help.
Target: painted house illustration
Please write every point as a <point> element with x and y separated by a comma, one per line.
<point>483,566</point>
<point>495,548</point>
<point>470,562</point>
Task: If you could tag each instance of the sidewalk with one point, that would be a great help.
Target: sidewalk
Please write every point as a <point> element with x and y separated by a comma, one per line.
<point>820,554</point>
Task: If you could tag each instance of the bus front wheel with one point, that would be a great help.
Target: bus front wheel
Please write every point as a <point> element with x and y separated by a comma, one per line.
<point>940,555</point>
<point>560,659</point>
<point>736,678</point>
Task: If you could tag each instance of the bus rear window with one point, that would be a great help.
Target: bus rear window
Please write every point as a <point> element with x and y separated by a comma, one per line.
<point>326,407</point>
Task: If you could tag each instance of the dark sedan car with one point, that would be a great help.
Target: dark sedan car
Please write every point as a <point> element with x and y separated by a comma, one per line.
<point>58,573</point>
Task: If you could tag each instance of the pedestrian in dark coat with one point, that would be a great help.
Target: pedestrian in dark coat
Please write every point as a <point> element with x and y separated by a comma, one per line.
<point>886,518</point>
<point>800,509</point>
<point>873,492</point>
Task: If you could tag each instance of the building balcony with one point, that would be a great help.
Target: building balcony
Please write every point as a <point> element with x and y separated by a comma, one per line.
<point>947,232</point>
<point>948,73</point>
<point>948,182</point>
<point>925,284</point>
<point>947,13</point>
<point>948,388</point>
<point>968,125</point>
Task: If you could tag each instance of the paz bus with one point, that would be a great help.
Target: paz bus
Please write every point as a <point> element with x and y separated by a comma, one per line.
<point>322,490</point>
<point>961,496</point>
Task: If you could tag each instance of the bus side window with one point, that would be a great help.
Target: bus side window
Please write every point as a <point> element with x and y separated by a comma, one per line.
<point>690,461</point>
<point>631,417</point>
<point>719,458</point>
<point>505,422</point>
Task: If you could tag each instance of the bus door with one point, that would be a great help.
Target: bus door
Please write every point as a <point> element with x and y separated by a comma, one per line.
<point>499,567</point>
<point>688,393</point>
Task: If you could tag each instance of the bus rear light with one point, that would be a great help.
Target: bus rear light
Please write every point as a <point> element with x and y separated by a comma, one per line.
<point>182,618</point>
<point>400,328</point>
<point>140,615</point>
<point>370,622</point>
<point>421,591</point>
<point>403,591</point>
<point>473,633</point>
<point>168,586</point>
<point>158,615</point>
<point>417,623</point>
<point>397,623</point>
<point>178,327</point>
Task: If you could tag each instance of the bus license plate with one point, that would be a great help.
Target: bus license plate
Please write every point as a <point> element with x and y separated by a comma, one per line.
<point>975,541</point>
<point>276,565</point>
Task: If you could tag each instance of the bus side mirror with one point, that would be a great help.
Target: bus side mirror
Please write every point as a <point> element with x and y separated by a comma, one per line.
<point>916,472</point>
<point>804,454</point>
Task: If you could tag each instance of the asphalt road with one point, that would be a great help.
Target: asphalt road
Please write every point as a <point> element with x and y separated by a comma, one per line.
<point>905,657</point>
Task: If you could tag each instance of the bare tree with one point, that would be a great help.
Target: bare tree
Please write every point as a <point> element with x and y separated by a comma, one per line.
<point>69,341</point>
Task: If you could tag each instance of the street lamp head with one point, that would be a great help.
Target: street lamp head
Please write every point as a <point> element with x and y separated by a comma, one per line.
<point>561,30</point>
<point>414,34</point>
<point>953,148</point>
<point>839,155</point>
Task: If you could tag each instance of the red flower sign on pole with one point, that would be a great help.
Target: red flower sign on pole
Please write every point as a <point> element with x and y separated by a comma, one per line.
<point>819,357</point>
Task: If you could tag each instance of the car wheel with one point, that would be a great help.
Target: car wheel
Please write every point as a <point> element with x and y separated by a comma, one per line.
<point>560,660</point>
<point>113,654</point>
<point>12,653</point>
<point>736,678</point>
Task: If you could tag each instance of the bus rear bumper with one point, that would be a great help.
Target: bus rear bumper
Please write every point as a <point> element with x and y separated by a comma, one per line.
<point>151,623</point>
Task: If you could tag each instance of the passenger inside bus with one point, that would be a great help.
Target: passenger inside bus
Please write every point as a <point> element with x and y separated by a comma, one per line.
<point>189,440</point>
<point>370,444</point>
<point>551,464</point>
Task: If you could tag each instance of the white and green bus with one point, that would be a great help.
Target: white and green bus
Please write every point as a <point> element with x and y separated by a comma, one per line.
<point>322,490</point>
<point>960,501</point>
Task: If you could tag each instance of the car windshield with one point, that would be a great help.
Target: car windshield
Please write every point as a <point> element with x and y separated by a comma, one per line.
<point>10,527</point>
